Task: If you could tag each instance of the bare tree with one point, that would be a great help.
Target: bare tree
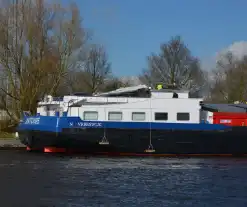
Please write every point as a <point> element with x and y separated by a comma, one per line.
<point>96,69</point>
<point>113,84</point>
<point>36,44</point>
<point>229,80</point>
<point>174,65</point>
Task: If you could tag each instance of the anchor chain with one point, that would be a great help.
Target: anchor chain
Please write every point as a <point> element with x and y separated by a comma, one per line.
<point>150,147</point>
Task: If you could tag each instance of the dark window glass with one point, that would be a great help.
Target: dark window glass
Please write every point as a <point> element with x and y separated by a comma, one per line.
<point>161,116</point>
<point>183,116</point>
<point>175,95</point>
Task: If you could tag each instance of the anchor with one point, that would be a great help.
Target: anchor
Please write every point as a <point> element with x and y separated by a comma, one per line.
<point>104,141</point>
<point>150,149</point>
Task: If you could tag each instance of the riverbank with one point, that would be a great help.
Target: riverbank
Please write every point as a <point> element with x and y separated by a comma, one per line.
<point>11,143</point>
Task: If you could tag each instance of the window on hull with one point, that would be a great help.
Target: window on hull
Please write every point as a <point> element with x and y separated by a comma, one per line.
<point>115,116</point>
<point>138,116</point>
<point>90,115</point>
<point>161,116</point>
<point>183,116</point>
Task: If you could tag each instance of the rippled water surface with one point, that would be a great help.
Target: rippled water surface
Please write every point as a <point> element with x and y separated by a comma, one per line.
<point>42,180</point>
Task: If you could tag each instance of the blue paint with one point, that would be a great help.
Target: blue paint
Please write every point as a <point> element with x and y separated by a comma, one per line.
<point>50,123</point>
<point>41,123</point>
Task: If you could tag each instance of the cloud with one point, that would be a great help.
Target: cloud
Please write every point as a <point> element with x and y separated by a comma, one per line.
<point>208,63</point>
<point>238,49</point>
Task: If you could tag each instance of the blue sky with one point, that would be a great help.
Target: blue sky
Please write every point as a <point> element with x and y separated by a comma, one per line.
<point>131,29</point>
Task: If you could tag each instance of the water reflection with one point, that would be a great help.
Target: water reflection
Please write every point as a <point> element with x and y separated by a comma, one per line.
<point>41,180</point>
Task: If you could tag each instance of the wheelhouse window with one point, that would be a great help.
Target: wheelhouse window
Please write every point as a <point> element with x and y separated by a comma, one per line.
<point>138,116</point>
<point>90,115</point>
<point>115,116</point>
<point>161,116</point>
<point>183,116</point>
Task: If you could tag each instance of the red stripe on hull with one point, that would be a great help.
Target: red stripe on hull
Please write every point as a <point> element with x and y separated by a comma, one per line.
<point>54,150</point>
<point>128,154</point>
<point>29,149</point>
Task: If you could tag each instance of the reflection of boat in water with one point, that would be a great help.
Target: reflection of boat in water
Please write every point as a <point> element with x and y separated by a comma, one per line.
<point>137,121</point>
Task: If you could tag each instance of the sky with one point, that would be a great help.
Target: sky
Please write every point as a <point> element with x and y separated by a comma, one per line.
<point>131,30</point>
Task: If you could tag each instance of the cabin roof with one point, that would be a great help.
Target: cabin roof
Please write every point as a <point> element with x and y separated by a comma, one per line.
<point>243,106</point>
<point>139,87</point>
<point>225,107</point>
<point>123,90</point>
<point>170,91</point>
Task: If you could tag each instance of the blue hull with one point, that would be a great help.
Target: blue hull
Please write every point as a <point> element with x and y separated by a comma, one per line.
<point>132,137</point>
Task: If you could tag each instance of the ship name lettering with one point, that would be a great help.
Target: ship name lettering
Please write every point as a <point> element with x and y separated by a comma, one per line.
<point>32,121</point>
<point>88,124</point>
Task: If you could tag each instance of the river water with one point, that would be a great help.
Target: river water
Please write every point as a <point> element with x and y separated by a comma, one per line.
<point>45,181</point>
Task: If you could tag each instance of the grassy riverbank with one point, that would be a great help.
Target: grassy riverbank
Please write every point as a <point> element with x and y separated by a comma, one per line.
<point>9,141</point>
<point>8,138</point>
<point>6,135</point>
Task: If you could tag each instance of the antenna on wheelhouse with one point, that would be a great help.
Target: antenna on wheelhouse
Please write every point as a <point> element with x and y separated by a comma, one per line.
<point>150,147</point>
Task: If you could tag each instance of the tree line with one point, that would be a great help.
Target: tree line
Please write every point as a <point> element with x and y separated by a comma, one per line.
<point>45,49</point>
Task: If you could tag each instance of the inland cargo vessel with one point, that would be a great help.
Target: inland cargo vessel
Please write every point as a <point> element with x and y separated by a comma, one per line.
<point>137,120</point>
